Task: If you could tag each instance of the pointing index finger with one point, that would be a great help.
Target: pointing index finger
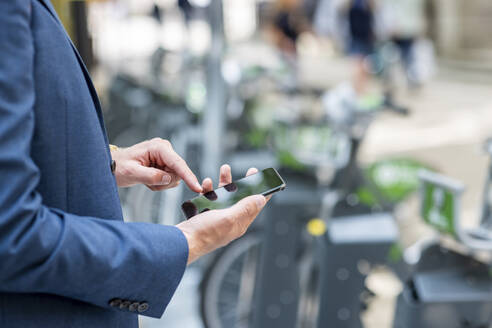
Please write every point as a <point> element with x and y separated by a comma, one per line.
<point>172,160</point>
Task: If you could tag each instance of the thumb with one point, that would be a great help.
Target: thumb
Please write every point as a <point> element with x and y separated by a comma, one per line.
<point>153,177</point>
<point>248,208</point>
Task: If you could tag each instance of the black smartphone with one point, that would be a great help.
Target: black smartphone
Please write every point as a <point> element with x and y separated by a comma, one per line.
<point>265,182</point>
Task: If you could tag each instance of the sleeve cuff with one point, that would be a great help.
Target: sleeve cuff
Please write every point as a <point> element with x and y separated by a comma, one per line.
<point>162,277</point>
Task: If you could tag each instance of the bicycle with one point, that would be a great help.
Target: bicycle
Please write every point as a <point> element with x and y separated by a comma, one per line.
<point>223,274</point>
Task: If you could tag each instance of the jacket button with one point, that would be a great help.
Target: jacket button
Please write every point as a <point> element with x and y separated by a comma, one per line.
<point>144,306</point>
<point>115,302</point>
<point>134,306</point>
<point>125,304</point>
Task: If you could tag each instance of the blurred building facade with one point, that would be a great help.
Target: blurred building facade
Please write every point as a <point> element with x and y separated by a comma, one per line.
<point>461,28</point>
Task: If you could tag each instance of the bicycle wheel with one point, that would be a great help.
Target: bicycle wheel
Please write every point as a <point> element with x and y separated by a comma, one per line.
<point>309,290</point>
<point>227,287</point>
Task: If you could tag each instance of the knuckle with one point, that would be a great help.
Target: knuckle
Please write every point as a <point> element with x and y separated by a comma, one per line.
<point>126,170</point>
<point>155,178</point>
<point>240,228</point>
<point>160,141</point>
<point>165,142</point>
<point>177,162</point>
<point>249,210</point>
<point>229,222</point>
<point>155,140</point>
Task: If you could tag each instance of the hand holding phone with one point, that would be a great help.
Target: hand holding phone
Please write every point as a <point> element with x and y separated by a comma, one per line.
<point>265,182</point>
<point>209,230</point>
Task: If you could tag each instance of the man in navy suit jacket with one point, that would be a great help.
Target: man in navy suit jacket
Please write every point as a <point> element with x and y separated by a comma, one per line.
<point>67,258</point>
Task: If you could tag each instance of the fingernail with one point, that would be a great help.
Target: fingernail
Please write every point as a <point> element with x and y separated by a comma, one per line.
<point>198,186</point>
<point>166,179</point>
<point>260,201</point>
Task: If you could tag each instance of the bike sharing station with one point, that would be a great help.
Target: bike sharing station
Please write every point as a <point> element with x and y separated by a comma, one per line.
<point>306,263</point>
<point>299,283</point>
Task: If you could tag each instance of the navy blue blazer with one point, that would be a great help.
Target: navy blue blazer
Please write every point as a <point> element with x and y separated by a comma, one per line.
<point>67,259</point>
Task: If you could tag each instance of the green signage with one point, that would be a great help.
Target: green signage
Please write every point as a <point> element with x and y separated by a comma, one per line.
<point>438,207</point>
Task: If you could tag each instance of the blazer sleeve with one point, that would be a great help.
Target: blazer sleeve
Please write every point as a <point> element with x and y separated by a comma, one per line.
<point>45,250</point>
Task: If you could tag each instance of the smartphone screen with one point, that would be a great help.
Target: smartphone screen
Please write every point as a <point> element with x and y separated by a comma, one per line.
<point>264,182</point>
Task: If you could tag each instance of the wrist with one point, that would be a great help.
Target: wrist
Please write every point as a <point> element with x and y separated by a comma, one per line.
<point>189,240</point>
<point>193,244</point>
<point>118,164</point>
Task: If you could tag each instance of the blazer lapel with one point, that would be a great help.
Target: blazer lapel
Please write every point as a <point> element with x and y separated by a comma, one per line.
<point>47,4</point>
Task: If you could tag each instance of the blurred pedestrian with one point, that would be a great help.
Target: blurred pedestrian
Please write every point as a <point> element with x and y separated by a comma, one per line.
<point>186,9</point>
<point>289,22</point>
<point>156,13</point>
<point>360,17</point>
<point>403,24</point>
